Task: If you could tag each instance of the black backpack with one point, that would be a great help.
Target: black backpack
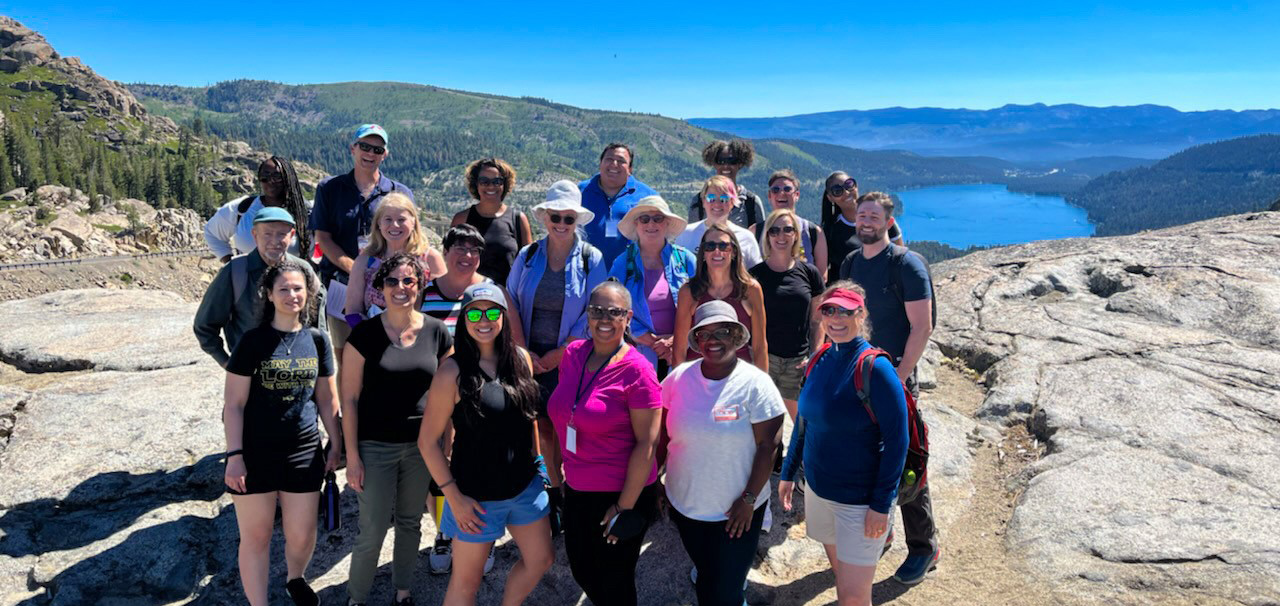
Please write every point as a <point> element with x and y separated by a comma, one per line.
<point>897,256</point>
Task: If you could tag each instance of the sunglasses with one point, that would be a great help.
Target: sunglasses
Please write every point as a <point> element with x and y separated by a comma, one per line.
<point>720,197</point>
<point>373,149</point>
<point>558,219</point>
<point>722,334</point>
<point>487,181</point>
<point>839,189</point>
<point>275,177</point>
<point>598,312</point>
<point>726,160</point>
<point>396,282</point>
<point>493,314</point>
<point>781,189</point>
<point>647,219</point>
<point>711,246</point>
<point>835,310</point>
<point>785,229</point>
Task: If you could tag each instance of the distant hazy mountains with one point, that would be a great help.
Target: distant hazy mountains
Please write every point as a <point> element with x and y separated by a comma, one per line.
<point>1020,133</point>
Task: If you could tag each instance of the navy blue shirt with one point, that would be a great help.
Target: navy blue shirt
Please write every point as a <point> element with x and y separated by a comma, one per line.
<point>347,216</point>
<point>890,327</point>
<point>602,231</point>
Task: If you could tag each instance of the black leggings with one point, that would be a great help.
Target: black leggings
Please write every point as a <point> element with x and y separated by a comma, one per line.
<point>606,573</point>
<point>722,562</point>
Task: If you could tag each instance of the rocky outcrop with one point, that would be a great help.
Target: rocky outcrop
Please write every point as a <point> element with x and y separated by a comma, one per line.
<point>1149,366</point>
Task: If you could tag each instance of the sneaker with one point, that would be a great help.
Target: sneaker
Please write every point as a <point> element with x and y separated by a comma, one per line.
<point>440,560</point>
<point>888,543</point>
<point>488,562</point>
<point>914,569</point>
<point>300,592</point>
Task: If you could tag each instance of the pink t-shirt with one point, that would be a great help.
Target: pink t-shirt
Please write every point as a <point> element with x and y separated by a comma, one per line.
<point>602,419</point>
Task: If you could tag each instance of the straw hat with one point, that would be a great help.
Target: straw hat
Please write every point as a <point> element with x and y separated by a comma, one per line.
<point>646,205</point>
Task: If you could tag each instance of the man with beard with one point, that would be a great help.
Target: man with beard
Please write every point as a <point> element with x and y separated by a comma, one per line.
<point>610,194</point>
<point>900,307</point>
<point>231,305</point>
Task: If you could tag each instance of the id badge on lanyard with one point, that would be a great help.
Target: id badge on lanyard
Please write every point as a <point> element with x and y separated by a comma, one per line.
<point>571,432</point>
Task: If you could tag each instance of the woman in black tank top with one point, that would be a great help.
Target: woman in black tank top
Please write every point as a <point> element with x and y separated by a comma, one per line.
<point>505,229</point>
<point>492,484</point>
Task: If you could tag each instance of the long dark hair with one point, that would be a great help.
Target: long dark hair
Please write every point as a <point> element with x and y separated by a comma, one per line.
<point>701,281</point>
<point>295,204</point>
<point>513,372</point>
<point>310,310</point>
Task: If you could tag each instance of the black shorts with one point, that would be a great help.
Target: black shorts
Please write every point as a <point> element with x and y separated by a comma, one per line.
<point>297,470</point>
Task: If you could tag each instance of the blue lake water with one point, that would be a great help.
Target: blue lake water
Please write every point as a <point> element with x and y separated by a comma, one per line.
<point>985,215</point>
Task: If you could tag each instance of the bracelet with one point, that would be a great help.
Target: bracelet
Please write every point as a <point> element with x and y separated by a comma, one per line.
<point>232,453</point>
<point>451,481</point>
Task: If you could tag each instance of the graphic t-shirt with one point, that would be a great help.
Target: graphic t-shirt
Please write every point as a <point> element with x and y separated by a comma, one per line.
<point>396,378</point>
<point>787,298</point>
<point>283,366</point>
<point>712,443</point>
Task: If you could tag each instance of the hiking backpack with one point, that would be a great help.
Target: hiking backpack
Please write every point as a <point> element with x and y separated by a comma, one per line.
<point>897,256</point>
<point>915,473</point>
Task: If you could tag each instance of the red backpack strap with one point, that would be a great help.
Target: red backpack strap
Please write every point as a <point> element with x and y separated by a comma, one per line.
<point>862,377</point>
<point>814,358</point>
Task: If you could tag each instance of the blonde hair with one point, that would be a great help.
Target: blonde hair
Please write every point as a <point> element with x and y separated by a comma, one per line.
<point>417,244</point>
<point>721,181</point>
<point>797,249</point>
<point>861,316</point>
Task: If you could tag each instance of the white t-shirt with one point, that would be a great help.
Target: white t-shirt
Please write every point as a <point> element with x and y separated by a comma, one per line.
<point>692,238</point>
<point>226,235</point>
<point>712,443</point>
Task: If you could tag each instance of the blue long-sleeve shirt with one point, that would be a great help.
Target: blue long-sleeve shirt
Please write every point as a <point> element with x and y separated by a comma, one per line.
<point>679,265</point>
<point>523,280</point>
<point>848,458</point>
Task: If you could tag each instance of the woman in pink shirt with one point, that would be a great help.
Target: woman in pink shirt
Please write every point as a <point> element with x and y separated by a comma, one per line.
<point>606,412</point>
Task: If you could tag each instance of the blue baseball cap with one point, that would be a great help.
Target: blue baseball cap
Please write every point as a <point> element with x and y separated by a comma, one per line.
<point>370,129</point>
<point>273,214</point>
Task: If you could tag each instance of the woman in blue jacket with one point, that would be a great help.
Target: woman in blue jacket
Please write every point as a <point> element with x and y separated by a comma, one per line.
<point>852,461</point>
<point>653,269</point>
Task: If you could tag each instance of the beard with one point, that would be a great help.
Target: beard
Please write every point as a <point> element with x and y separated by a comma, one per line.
<point>872,238</point>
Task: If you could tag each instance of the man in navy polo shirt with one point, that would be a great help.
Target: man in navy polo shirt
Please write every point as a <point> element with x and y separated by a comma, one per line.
<point>610,194</point>
<point>343,216</point>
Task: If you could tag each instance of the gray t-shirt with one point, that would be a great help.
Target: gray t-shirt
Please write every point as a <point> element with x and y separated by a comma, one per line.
<point>548,305</point>
<point>712,442</point>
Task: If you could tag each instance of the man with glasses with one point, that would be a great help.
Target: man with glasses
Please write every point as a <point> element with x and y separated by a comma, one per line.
<point>343,217</point>
<point>610,194</point>
<point>229,231</point>
<point>784,192</point>
<point>728,158</point>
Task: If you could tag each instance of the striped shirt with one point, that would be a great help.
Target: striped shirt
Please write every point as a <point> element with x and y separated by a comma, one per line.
<point>442,308</point>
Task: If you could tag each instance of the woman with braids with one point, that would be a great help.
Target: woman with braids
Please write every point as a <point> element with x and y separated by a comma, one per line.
<point>389,364</point>
<point>839,212</point>
<point>279,381</point>
<point>396,230</point>
<point>491,482</point>
<point>228,232</point>
<point>722,275</point>
<point>727,159</point>
<point>505,229</point>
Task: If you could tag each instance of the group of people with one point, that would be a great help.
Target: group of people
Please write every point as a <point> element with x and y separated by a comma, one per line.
<point>630,361</point>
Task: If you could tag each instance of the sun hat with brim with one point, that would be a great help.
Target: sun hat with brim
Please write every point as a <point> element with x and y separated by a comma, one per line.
<point>845,298</point>
<point>483,291</point>
<point>717,312</point>
<point>647,205</point>
<point>273,214</point>
<point>564,195</point>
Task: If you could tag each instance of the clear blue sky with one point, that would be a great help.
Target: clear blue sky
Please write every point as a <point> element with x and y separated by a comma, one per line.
<point>695,59</point>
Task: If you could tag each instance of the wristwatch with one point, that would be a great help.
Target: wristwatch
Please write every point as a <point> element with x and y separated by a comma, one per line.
<point>749,498</point>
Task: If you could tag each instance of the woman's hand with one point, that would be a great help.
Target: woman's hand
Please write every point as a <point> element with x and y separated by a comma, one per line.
<point>355,473</point>
<point>876,525</point>
<point>551,359</point>
<point>333,459</point>
<point>536,361</point>
<point>739,518</point>
<point>464,510</point>
<point>609,514</point>
<point>785,490</point>
<point>662,347</point>
<point>235,474</point>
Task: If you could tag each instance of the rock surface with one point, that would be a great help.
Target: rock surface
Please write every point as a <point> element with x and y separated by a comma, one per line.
<point>1148,364</point>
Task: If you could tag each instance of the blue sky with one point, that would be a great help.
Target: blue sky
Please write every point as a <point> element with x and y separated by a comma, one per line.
<point>693,59</point>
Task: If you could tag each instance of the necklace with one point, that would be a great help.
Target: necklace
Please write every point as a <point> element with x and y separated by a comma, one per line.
<point>288,345</point>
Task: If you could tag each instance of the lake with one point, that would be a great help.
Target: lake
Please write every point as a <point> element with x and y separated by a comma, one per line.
<point>985,215</point>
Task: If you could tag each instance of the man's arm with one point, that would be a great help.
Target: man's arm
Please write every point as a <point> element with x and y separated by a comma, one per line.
<point>918,297</point>
<point>333,252</point>
<point>213,315</point>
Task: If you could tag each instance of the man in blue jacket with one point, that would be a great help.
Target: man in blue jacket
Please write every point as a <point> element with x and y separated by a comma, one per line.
<point>610,194</point>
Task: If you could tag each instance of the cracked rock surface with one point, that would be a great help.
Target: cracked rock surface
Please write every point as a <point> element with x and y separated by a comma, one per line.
<point>1150,367</point>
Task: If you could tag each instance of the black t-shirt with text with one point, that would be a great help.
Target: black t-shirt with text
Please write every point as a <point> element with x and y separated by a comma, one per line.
<point>787,297</point>
<point>284,367</point>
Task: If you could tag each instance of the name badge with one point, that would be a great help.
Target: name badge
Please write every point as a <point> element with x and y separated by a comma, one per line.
<point>725,414</point>
<point>571,439</point>
<point>611,228</point>
<point>362,242</point>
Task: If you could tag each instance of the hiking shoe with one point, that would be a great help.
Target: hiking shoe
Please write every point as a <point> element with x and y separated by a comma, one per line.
<point>914,569</point>
<point>440,560</point>
<point>888,543</point>
<point>300,592</point>
<point>488,562</point>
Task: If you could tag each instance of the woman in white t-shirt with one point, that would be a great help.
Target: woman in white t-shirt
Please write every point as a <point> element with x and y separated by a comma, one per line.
<point>723,419</point>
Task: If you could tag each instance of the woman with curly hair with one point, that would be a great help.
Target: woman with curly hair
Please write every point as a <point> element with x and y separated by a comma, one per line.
<point>505,229</point>
<point>727,159</point>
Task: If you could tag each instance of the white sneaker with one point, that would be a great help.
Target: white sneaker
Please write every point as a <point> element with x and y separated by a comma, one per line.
<point>767,524</point>
<point>488,562</point>
<point>440,560</point>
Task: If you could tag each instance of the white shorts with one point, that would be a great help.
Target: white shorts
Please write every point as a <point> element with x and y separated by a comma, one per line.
<point>832,523</point>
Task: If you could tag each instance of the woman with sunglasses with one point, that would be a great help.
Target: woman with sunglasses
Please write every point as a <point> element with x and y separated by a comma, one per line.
<point>486,392</point>
<point>229,231</point>
<point>723,422</point>
<point>790,285</point>
<point>653,270</point>
<point>722,276</point>
<point>389,363</point>
<point>784,192</point>
<point>719,192</point>
<point>396,230</point>
<point>550,282</point>
<point>504,228</point>
<point>853,461</point>
<point>727,159</point>
<point>839,214</point>
<point>606,415</point>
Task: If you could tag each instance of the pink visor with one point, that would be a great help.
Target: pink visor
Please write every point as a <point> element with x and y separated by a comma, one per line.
<point>845,298</point>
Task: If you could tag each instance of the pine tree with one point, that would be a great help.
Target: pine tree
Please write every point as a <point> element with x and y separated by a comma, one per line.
<point>6,170</point>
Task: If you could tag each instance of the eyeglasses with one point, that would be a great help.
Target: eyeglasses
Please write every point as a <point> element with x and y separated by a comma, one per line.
<point>785,229</point>
<point>493,314</point>
<point>722,334</point>
<point>396,282</point>
<point>781,189</point>
<point>467,250</point>
<point>275,177</point>
<point>720,197</point>
<point>726,160</point>
<point>558,219</point>
<point>712,246</point>
<point>598,312</point>
<point>839,189</point>
<point>487,181</point>
<point>647,219</point>
<point>836,310</point>
<point>373,149</point>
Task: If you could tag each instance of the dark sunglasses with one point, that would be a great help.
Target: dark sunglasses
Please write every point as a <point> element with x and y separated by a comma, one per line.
<point>373,149</point>
<point>781,189</point>
<point>785,229</point>
<point>276,177</point>
<point>647,219</point>
<point>839,189</point>
<point>486,181</point>
<point>566,219</point>
<point>598,312</point>
<point>710,246</point>
<point>396,282</point>
<point>726,160</point>
<point>722,334</point>
<point>836,310</point>
<point>493,314</point>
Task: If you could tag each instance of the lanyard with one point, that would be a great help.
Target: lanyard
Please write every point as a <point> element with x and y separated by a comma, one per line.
<point>582,390</point>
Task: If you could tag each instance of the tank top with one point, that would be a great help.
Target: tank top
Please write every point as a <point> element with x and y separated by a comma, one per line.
<point>492,451</point>
<point>440,307</point>
<point>744,353</point>
<point>373,296</point>
<point>501,241</point>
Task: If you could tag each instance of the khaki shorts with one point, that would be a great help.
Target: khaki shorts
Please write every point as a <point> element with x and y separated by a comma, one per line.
<point>786,375</point>
<point>832,523</point>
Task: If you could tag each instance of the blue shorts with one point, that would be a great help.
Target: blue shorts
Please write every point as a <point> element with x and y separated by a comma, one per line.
<point>525,508</point>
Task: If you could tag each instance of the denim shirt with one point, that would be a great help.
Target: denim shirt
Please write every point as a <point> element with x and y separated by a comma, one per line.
<point>679,264</point>
<point>522,283</point>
